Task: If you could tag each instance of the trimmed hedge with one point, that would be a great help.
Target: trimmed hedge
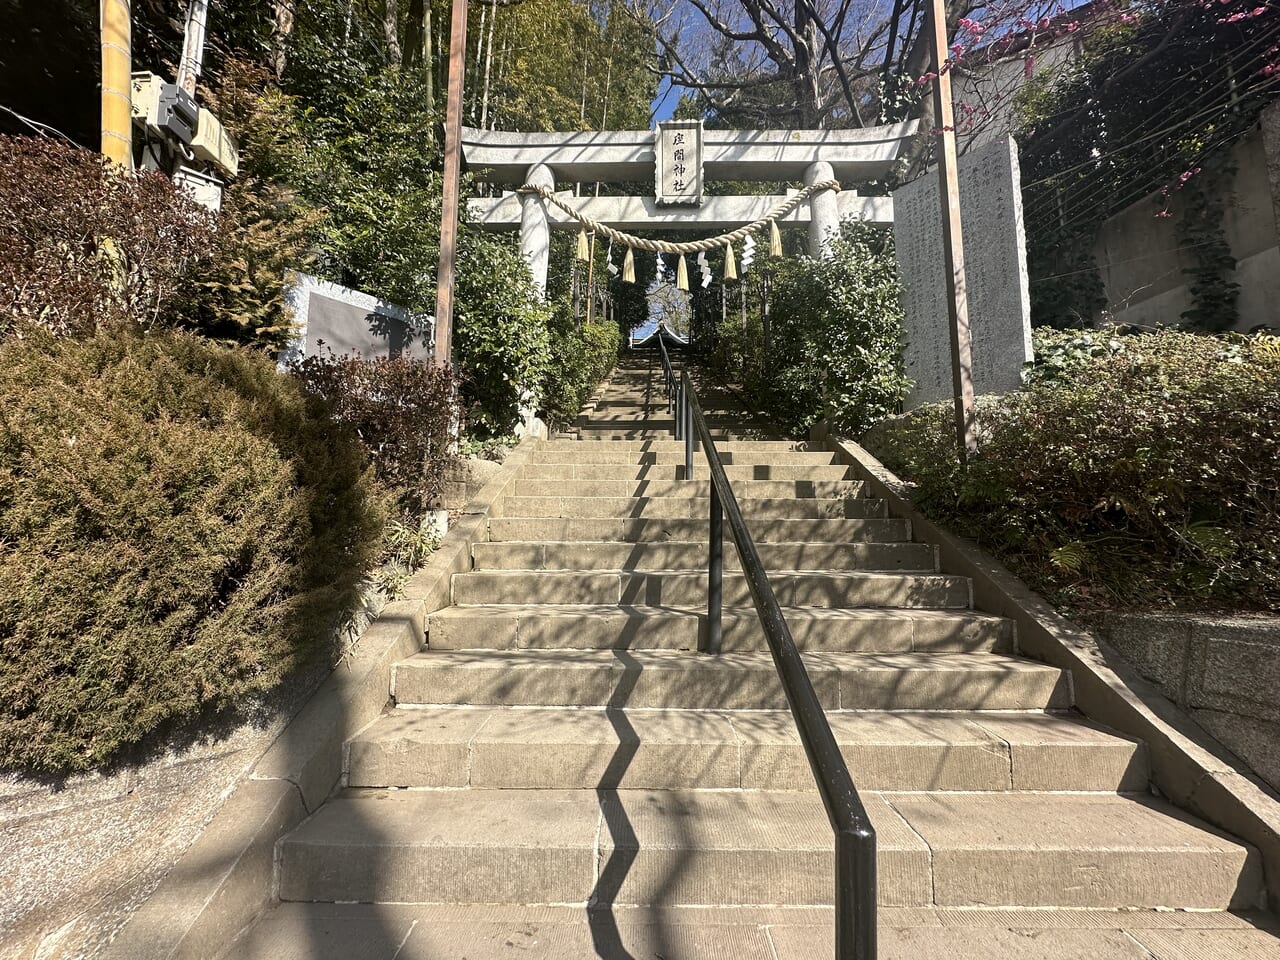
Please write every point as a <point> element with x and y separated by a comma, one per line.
<point>181,526</point>
<point>1137,470</point>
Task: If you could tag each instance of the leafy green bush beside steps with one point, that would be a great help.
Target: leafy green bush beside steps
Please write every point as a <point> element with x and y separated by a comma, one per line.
<point>580,359</point>
<point>834,348</point>
<point>1138,470</point>
<point>180,527</point>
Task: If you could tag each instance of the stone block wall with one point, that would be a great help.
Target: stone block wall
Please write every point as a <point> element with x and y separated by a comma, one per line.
<point>1224,672</point>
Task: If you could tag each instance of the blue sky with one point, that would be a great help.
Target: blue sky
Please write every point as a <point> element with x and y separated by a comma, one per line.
<point>664,104</point>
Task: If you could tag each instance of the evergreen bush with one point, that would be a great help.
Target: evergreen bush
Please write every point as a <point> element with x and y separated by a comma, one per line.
<point>835,345</point>
<point>502,338</point>
<point>1131,470</point>
<point>181,526</point>
<point>580,359</point>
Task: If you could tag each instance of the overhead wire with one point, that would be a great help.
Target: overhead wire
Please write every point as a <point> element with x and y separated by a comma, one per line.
<point>1040,207</point>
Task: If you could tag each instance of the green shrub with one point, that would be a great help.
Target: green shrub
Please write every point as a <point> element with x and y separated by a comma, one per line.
<point>1146,471</point>
<point>265,229</point>
<point>83,243</point>
<point>402,410</point>
<point>835,346</point>
<point>181,526</point>
<point>502,341</point>
<point>580,359</point>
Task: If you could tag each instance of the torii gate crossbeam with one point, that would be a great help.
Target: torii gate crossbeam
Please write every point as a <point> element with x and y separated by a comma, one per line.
<point>813,156</point>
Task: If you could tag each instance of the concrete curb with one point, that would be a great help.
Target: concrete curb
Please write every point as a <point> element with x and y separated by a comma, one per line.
<point>1187,765</point>
<point>225,879</point>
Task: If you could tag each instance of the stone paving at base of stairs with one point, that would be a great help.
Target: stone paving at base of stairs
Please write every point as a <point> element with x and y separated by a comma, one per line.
<point>411,932</point>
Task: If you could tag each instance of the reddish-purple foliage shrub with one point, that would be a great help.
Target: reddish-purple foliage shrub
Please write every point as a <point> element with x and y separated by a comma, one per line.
<point>403,410</point>
<point>83,243</point>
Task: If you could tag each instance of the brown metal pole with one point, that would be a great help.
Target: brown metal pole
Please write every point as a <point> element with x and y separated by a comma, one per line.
<point>452,184</point>
<point>953,239</point>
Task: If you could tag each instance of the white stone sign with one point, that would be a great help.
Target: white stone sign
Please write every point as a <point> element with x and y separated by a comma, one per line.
<point>351,323</point>
<point>678,170</point>
<point>995,253</point>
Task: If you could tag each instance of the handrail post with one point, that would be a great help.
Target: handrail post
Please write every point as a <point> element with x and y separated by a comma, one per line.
<point>678,415</point>
<point>855,896</point>
<point>715,573</point>
<point>685,388</point>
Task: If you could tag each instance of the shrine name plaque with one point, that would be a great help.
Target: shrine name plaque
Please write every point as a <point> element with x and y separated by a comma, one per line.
<point>678,169</point>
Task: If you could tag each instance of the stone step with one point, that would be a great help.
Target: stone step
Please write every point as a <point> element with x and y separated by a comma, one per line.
<point>757,847</point>
<point>583,452</point>
<point>624,418</point>
<point>744,489</point>
<point>676,447</point>
<point>731,681</point>
<point>629,402</point>
<point>327,931</point>
<point>593,434</point>
<point>547,748</point>
<point>677,555</point>
<point>675,471</point>
<point>688,507</point>
<point>830,589</point>
<point>641,529</point>
<point>547,626</point>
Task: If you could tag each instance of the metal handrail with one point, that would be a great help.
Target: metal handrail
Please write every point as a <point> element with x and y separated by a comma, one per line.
<point>855,838</point>
<point>677,406</point>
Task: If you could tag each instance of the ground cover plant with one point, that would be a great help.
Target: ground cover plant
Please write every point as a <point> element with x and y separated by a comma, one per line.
<point>1137,470</point>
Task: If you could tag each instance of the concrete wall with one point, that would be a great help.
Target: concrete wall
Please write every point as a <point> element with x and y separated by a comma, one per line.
<point>1224,672</point>
<point>983,94</point>
<point>1142,265</point>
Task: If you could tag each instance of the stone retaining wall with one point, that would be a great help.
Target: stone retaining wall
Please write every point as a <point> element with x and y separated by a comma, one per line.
<point>1224,672</point>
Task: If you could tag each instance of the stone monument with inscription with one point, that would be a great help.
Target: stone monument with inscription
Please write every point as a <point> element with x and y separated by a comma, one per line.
<point>995,254</point>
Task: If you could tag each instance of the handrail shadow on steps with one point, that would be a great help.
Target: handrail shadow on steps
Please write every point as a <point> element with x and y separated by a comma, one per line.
<point>855,838</point>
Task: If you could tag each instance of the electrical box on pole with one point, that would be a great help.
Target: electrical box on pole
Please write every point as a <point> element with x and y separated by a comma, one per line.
<point>164,108</point>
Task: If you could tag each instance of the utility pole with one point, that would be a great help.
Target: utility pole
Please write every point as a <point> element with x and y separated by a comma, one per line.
<point>117,64</point>
<point>953,238</point>
<point>193,45</point>
<point>452,184</point>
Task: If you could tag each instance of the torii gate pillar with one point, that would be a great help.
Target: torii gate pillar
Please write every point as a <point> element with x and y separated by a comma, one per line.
<point>824,217</point>
<point>535,234</point>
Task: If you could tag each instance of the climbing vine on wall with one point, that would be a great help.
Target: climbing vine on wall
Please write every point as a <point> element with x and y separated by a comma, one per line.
<point>1200,232</point>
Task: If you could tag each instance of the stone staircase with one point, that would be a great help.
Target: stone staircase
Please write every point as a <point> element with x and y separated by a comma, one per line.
<point>563,775</point>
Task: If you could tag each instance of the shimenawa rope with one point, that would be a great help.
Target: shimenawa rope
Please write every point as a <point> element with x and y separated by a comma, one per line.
<point>693,246</point>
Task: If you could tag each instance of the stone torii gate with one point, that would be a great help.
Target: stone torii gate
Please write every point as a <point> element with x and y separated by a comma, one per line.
<point>812,156</point>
